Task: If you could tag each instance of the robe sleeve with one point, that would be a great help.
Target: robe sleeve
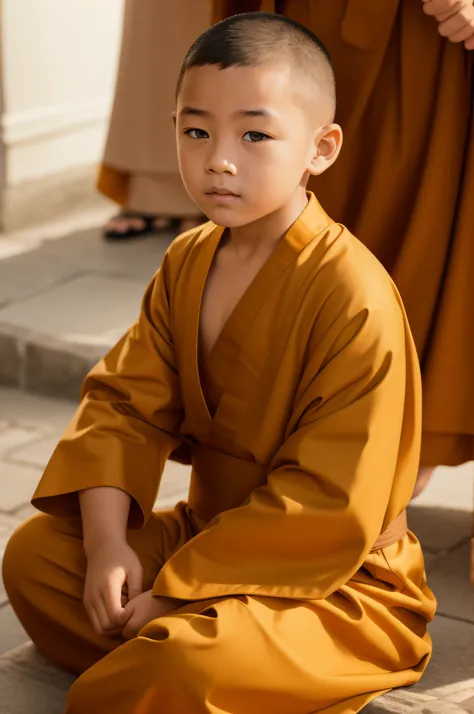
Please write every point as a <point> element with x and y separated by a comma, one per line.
<point>355,430</point>
<point>128,421</point>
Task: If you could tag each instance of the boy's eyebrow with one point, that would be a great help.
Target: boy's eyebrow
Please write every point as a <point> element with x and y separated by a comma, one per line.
<point>194,111</point>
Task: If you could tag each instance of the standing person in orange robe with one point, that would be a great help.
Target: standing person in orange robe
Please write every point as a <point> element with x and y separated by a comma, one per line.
<point>139,170</point>
<point>405,180</point>
<point>275,348</point>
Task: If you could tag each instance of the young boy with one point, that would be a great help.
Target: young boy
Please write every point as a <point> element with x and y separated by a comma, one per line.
<point>272,350</point>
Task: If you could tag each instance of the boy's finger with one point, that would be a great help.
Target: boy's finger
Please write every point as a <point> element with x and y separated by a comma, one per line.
<point>112,598</point>
<point>445,15</point>
<point>469,43</point>
<point>105,621</point>
<point>438,7</point>
<point>462,35</point>
<point>122,617</point>
<point>134,581</point>
<point>117,616</point>
<point>130,630</point>
<point>454,24</point>
<point>128,626</point>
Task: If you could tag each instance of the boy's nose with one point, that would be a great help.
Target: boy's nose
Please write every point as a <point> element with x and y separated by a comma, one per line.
<point>221,166</point>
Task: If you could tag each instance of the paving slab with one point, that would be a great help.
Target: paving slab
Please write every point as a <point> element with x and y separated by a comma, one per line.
<point>16,436</point>
<point>22,694</point>
<point>29,273</point>
<point>7,525</point>
<point>452,666</point>
<point>25,512</point>
<point>31,411</point>
<point>12,633</point>
<point>36,454</point>
<point>88,252</point>
<point>17,485</point>
<point>27,658</point>
<point>10,247</point>
<point>52,367</point>
<point>447,687</point>
<point>448,577</point>
<point>91,309</point>
<point>438,529</point>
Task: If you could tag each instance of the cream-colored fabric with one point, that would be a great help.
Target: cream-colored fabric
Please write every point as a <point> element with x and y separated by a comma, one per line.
<point>140,168</point>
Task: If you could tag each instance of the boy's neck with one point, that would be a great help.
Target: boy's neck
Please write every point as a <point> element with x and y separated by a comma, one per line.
<point>264,234</point>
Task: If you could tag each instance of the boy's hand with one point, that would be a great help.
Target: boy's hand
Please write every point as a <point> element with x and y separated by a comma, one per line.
<point>112,566</point>
<point>145,608</point>
<point>455,18</point>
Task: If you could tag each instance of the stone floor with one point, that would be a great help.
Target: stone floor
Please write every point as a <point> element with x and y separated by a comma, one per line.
<point>64,301</point>
<point>29,429</point>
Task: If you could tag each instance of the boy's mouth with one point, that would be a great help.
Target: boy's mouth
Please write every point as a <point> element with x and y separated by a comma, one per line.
<point>219,191</point>
<point>222,196</point>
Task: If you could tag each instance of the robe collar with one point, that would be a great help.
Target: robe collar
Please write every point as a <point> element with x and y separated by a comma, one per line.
<point>309,227</point>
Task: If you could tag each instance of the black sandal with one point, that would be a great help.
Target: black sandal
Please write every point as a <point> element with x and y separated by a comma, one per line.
<point>149,226</point>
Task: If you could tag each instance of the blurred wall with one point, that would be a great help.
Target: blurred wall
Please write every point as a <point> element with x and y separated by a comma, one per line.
<point>59,59</point>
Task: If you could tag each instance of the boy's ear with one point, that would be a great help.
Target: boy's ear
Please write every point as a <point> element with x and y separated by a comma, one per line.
<point>328,143</point>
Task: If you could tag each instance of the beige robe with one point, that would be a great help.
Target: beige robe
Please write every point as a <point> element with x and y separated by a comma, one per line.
<point>304,427</point>
<point>140,168</point>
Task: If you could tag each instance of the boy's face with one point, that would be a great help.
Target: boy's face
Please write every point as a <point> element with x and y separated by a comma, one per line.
<point>247,141</point>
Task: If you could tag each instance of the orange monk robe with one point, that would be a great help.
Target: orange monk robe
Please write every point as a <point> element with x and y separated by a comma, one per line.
<point>305,426</point>
<point>404,182</point>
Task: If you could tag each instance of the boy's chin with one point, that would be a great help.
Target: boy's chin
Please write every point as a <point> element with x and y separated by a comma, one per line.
<point>232,217</point>
<point>226,218</point>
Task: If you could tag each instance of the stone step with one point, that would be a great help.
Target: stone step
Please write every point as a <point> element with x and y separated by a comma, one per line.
<point>65,302</point>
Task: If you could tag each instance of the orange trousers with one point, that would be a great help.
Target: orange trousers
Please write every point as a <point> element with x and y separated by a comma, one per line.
<point>245,655</point>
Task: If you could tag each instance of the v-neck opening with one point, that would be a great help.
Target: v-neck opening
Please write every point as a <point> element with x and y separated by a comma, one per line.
<point>235,309</point>
<point>277,261</point>
<point>308,224</point>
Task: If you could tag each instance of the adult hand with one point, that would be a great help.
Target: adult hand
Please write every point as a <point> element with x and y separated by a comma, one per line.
<point>145,608</point>
<point>455,18</point>
<point>113,568</point>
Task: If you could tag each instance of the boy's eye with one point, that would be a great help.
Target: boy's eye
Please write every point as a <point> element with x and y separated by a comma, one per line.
<point>197,133</point>
<point>254,136</point>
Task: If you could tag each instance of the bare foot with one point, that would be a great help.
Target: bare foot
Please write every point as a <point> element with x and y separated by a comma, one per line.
<point>423,479</point>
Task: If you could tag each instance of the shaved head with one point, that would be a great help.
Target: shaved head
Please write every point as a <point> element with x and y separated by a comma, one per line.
<point>260,38</point>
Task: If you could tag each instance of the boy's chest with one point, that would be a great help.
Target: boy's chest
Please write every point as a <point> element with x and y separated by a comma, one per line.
<point>227,283</point>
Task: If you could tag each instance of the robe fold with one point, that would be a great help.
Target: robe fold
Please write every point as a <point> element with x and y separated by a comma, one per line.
<point>404,183</point>
<point>303,425</point>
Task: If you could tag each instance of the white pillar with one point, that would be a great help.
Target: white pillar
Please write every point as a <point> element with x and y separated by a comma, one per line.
<point>59,60</point>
